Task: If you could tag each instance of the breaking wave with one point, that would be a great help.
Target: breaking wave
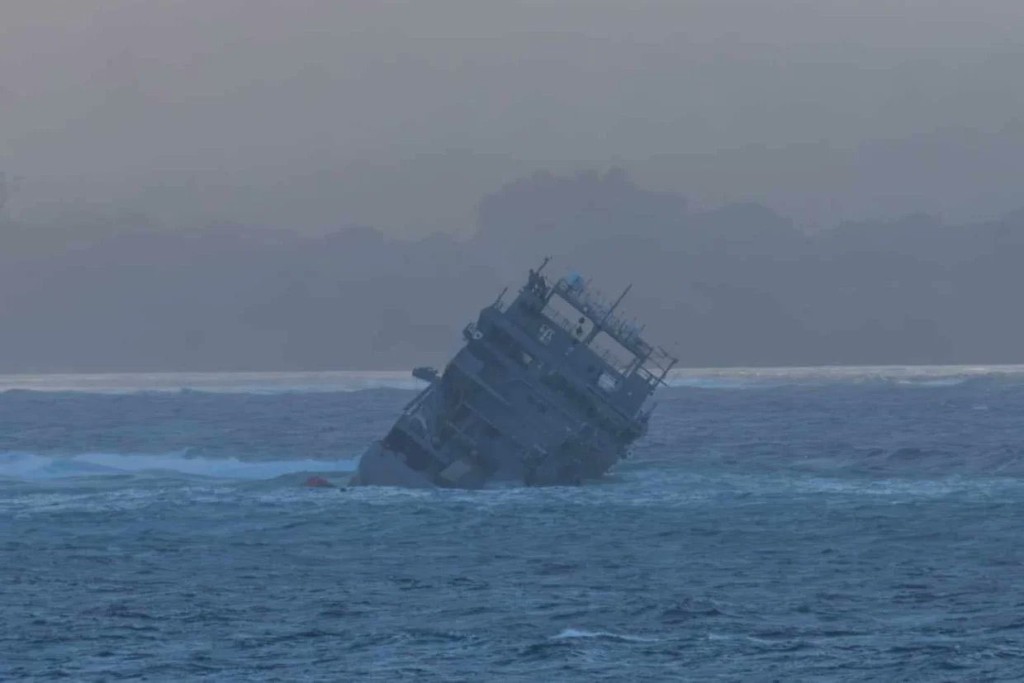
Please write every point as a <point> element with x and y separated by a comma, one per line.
<point>33,467</point>
<point>212,382</point>
<point>909,375</point>
<point>350,381</point>
<point>861,528</point>
<point>579,634</point>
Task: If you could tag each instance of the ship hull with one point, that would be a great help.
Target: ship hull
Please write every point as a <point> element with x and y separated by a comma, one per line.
<point>380,466</point>
<point>548,390</point>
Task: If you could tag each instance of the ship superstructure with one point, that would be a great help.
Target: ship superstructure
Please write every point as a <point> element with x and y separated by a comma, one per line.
<point>550,388</point>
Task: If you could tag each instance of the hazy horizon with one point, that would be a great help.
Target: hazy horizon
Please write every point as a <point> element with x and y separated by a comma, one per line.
<point>244,184</point>
<point>735,285</point>
<point>315,114</point>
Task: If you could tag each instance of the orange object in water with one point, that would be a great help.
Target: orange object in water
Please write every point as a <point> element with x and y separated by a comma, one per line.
<point>318,482</point>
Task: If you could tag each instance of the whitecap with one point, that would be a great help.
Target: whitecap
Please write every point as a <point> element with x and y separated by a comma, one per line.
<point>573,634</point>
<point>358,380</point>
<point>212,382</point>
<point>31,466</point>
<point>937,376</point>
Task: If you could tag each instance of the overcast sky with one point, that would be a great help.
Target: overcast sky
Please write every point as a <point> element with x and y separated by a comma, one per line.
<point>319,113</point>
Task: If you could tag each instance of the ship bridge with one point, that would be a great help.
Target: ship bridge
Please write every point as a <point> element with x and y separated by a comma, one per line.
<point>552,388</point>
<point>616,340</point>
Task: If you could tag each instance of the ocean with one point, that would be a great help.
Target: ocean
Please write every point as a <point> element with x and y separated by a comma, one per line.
<point>837,524</point>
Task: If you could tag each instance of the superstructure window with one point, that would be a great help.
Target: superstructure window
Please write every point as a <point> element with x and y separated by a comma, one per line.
<point>608,382</point>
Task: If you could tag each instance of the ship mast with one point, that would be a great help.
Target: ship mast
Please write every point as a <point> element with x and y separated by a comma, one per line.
<point>600,326</point>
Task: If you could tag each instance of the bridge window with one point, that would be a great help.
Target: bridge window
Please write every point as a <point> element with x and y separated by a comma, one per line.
<point>565,315</point>
<point>618,356</point>
<point>608,382</point>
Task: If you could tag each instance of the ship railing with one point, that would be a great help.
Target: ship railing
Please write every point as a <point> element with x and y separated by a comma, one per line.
<point>559,319</point>
<point>627,333</point>
<point>648,376</point>
<point>656,367</point>
<point>585,298</point>
<point>662,359</point>
<point>620,365</point>
<point>594,305</point>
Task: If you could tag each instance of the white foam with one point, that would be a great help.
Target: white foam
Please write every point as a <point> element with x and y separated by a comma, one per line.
<point>30,466</point>
<point>333,381</point>
<point>573,634</point>
<point>213,382</point>
<point>921,375</point>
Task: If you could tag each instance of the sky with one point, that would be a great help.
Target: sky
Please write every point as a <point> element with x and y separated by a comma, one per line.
<point>318,114</point>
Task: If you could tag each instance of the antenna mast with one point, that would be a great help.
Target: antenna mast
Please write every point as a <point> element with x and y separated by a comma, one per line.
<point>600,326</point>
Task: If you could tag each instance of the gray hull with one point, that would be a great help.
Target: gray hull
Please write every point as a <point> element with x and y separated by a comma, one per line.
<point>380,467</point>
<point>550,389</point>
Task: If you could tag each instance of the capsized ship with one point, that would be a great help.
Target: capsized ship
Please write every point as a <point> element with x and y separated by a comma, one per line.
<point>550,389</point>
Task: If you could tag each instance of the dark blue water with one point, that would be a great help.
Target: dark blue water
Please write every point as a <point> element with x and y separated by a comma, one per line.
<point>851,528</point>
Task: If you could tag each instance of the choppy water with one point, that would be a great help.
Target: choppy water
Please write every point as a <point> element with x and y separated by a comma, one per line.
<point>800,525</point>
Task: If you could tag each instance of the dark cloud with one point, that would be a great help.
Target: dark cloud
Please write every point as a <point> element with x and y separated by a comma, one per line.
<point>316,113</point>
<point>801,182</point>
<point>734,285</point>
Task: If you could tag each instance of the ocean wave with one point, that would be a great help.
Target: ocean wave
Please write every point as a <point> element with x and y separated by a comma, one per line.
<point>350,381</point>
<point>212,382</point>
<point>924,376</point>
<point>33,467</point>
<point>579,634</point>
